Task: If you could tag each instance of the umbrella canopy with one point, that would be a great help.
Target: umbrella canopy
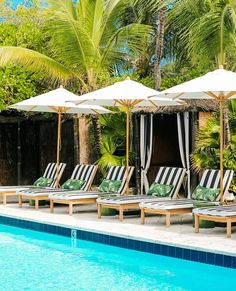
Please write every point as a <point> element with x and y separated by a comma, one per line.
<point>126,93</point>
<point>211,85</point>
<point>55,101</point>
<point>219,84</point>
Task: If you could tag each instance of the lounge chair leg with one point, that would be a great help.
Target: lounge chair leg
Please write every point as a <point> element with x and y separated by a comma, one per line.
<point>167,219</point>
<point>36,204</point>
<point>121,213</point>
<point>51,206</point>
<point>70,208</point>
<point>228,231</point>
<point>20,201</point>
<point>4,199</point>
<point>196,223</point>
<point>142,216</point>
<point>99,211</point>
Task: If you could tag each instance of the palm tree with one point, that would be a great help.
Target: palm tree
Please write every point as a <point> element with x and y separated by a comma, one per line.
<point>207,29</point>
<point>156,10</point>
<point>87,39</point>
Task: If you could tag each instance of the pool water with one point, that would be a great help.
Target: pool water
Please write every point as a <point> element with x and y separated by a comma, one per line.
<point>31,260</point>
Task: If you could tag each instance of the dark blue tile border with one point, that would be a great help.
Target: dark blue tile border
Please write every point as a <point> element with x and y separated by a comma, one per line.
<point>149,247</point>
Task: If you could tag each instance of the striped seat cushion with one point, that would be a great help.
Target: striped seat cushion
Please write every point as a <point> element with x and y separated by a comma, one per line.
<point>126,199</point>
<point>168,204</point>
<point>223,211</point>
<point>74,195</point>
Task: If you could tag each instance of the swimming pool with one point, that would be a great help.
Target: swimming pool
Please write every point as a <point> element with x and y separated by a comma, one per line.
<point>31,260</point>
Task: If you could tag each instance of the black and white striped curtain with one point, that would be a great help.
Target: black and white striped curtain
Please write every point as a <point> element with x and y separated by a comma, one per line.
<point>183,123</point>
<point>146,141</point>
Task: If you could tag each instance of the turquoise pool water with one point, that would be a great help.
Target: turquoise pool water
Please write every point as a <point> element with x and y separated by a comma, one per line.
<point>31,260</point>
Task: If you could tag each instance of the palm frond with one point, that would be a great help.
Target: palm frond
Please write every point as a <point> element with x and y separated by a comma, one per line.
<point>35,61</point>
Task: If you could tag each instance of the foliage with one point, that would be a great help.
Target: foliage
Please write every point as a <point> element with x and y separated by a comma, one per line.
<point>86,40</point>
<point>16,85</point>
<point>205,30</point>
<point>112,146</point>
<point>207,153</point>
<point>20,27</point>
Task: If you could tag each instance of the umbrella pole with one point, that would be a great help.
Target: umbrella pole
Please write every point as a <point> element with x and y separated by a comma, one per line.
<point>221,149</point>
<point>58,147</point>
<point>127,151</point>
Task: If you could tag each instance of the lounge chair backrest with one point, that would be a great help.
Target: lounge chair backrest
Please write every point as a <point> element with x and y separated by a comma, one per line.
<point>171,176</point>
<point>51,170</point>
<point>211,179</point>
<point>85,173</point>
<point>119,173</point>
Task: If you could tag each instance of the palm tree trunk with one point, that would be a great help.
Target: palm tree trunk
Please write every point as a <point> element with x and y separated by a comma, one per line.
<point>84,149</point>
<point>76,140</point>
<point>226,131</point>
<point>97,134</point>
<point>159,46</point>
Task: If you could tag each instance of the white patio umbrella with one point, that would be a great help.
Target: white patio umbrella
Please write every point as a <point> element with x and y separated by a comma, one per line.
<point>128,94</point>
<point>219,85</point>
<point>55,101</point>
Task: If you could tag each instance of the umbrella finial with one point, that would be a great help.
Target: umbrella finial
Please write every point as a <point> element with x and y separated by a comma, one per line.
<point>128,78</point>
<point>61,86</point>
<point>221,66</point>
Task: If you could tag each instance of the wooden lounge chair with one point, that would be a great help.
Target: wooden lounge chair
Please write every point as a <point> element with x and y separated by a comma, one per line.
<point>50,173</point>
<point>81,197</point>
<point>225,214</point>
<point>165,175</point>
<point>210,179</point>
<point>81,172</point>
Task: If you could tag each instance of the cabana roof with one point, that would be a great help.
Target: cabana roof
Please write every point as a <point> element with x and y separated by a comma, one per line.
<point>192,106</point>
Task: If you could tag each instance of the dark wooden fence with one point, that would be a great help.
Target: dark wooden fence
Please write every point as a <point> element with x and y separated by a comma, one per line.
<point>28,145</point>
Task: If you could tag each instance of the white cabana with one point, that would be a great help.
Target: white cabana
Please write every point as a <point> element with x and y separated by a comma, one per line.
<point>219,85</point>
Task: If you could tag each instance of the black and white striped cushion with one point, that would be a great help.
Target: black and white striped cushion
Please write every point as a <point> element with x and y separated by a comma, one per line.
<point>119,173</point>
<point>211,179</point>
<point>223,211</point>
<point>51,171</point>
<point>85,173</point>
<point>171,176</point>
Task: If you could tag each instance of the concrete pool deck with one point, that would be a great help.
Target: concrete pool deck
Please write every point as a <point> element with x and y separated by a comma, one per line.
<point>180,233</point>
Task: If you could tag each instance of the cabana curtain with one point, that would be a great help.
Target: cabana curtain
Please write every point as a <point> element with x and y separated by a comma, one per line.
<point>146,141</point>
<point>184,144</point>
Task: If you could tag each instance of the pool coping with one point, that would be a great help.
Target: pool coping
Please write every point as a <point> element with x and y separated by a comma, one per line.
<point>201,255</point>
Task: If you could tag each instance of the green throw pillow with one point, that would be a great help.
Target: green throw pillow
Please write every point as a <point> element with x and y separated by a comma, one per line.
<point>160,190</point>
<point>110,186</point>
<point>43,182</point>
<point>205,194</point>
<point>73,184</point>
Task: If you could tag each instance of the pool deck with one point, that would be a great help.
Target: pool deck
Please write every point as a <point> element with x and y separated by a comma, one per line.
<point>180,233</point>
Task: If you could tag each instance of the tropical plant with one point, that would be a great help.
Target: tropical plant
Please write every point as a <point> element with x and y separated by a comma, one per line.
<point>206,29</point>
<point>112,145</point>
<point>207,152</point>
<point>20,27</point>
<point>86,39</point>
